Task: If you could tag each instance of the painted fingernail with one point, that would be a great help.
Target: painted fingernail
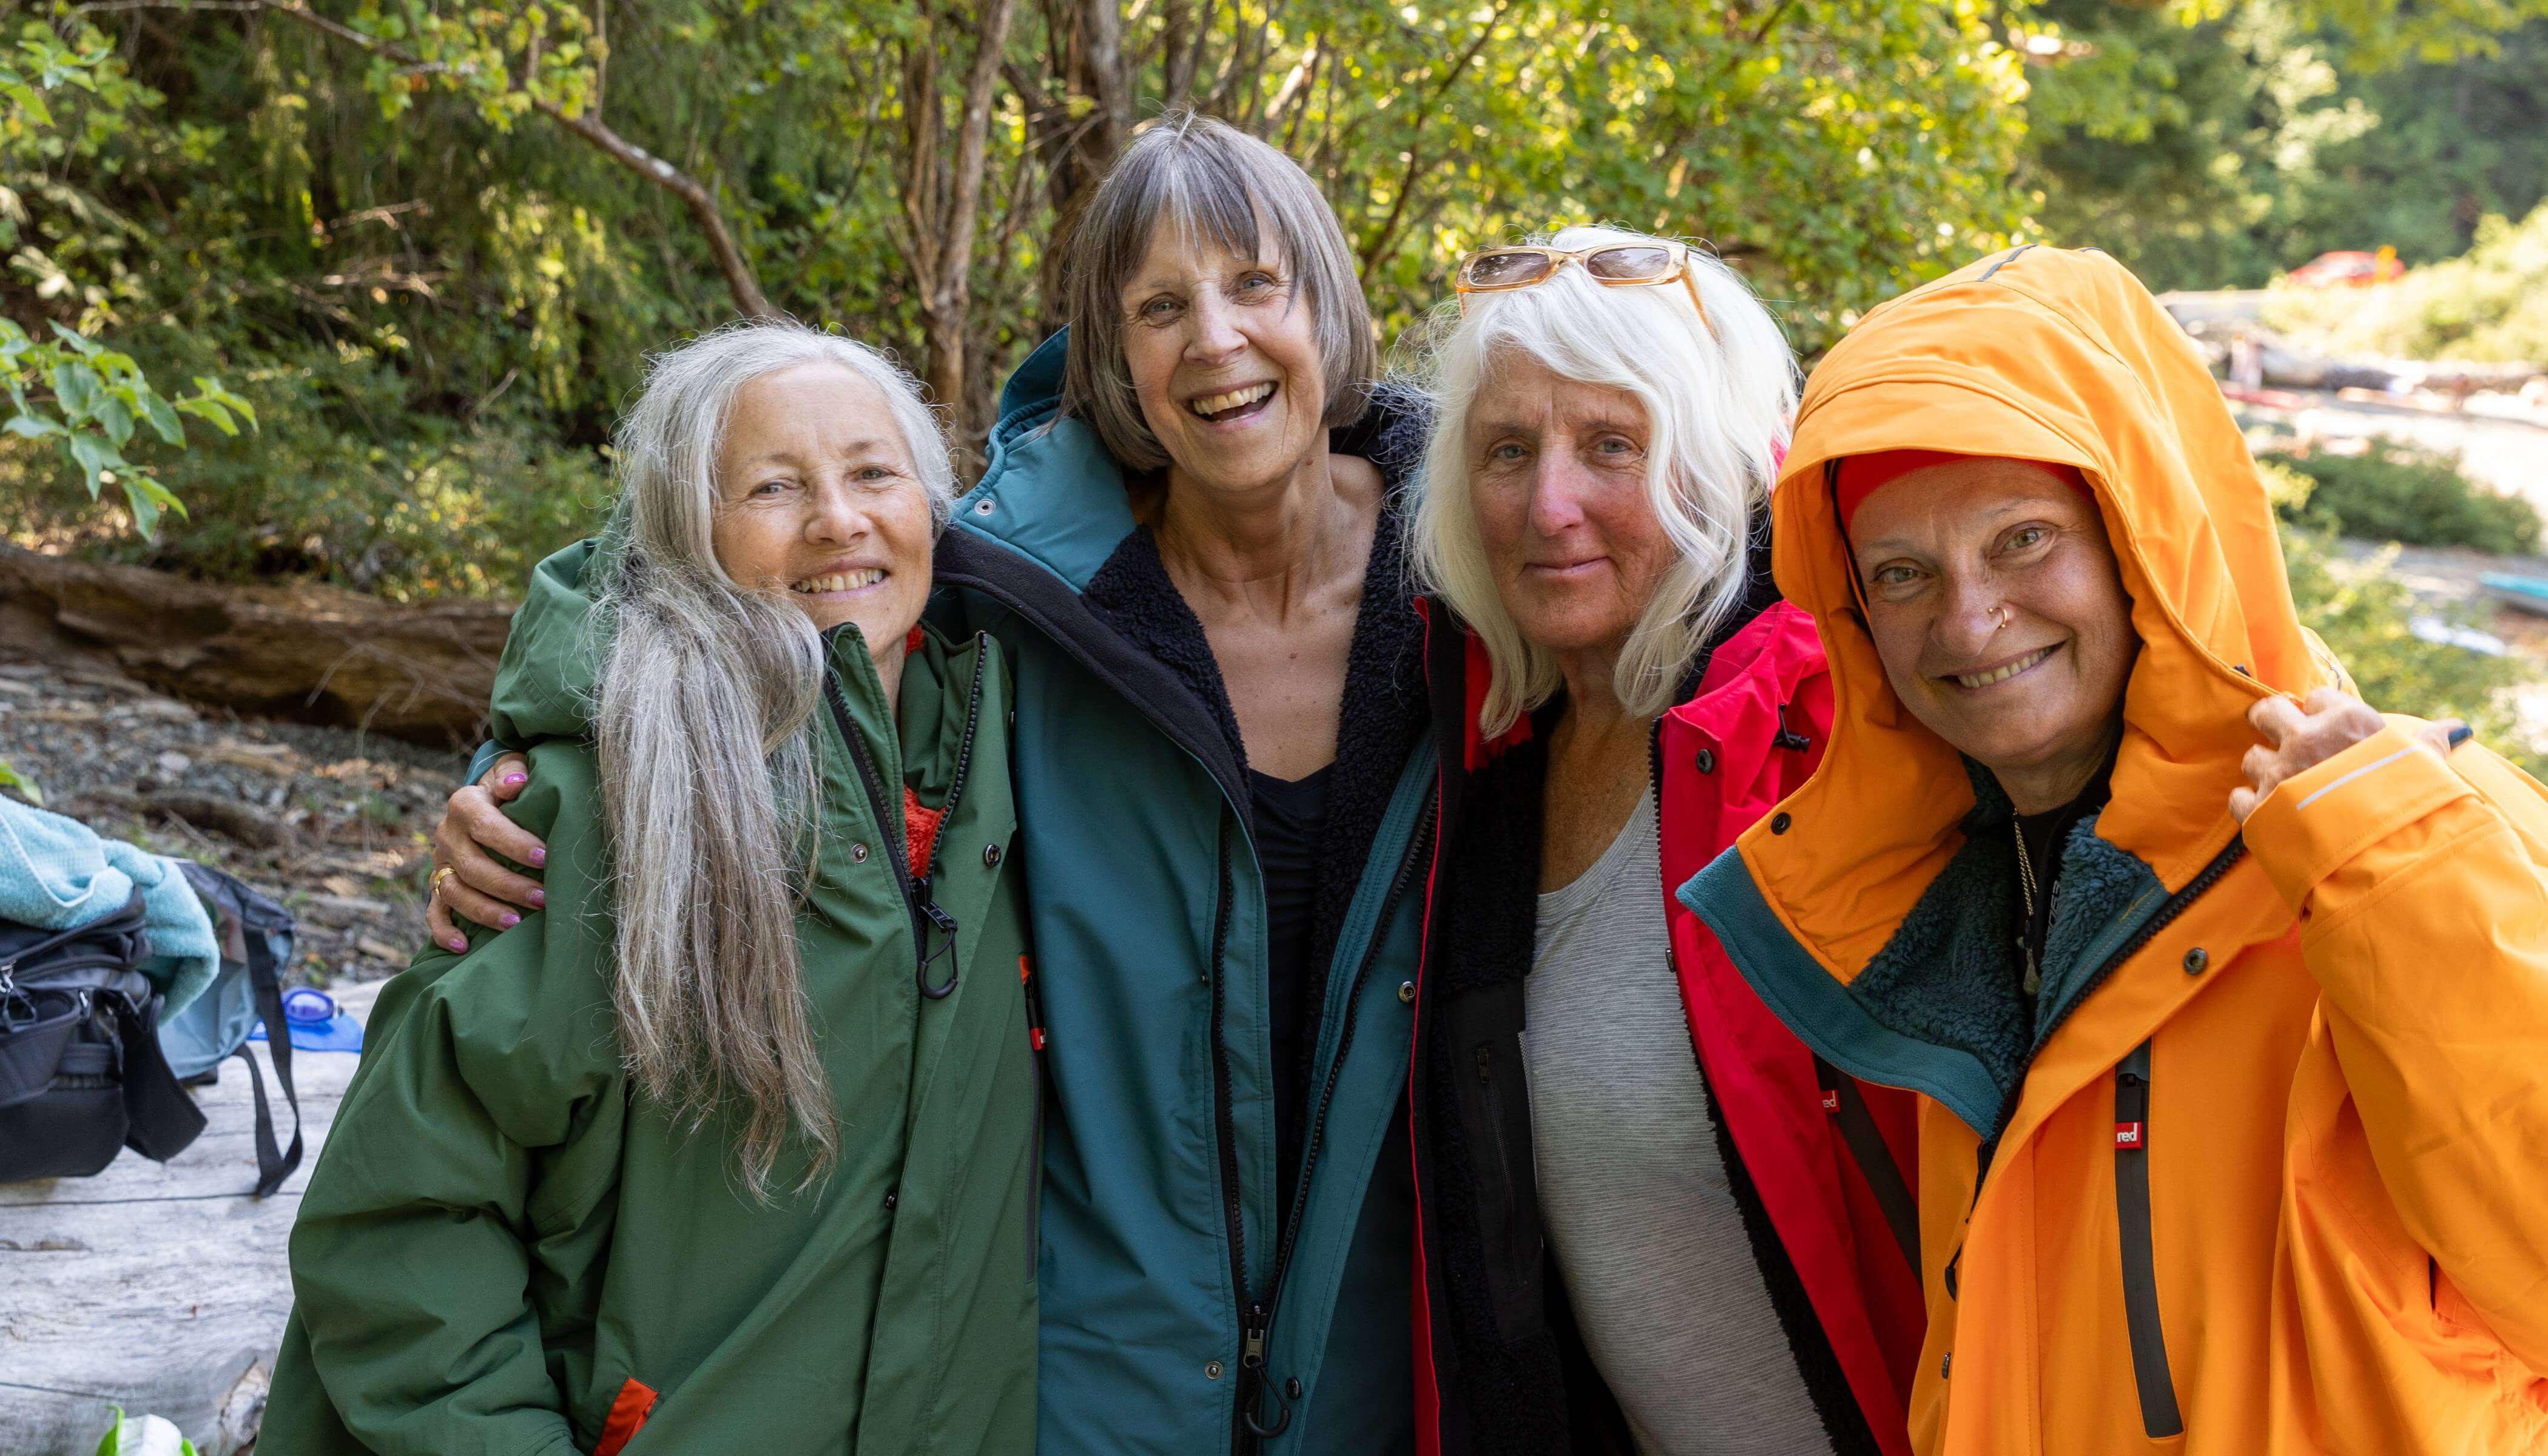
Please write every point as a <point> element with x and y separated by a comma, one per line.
<point>539,857</point>
<point>457,943</point>
<point>513,778</point>
<point>2460,735</point>
<point>539,897</point>
<point>508,920</point>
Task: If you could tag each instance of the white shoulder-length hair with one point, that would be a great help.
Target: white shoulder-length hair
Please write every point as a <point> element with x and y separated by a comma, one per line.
<point>1718,395</point>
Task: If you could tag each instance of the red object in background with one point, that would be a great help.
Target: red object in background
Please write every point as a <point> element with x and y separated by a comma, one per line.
<point>2350,268</point>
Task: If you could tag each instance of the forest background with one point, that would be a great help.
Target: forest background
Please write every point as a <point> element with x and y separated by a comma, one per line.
<point>425,247</point>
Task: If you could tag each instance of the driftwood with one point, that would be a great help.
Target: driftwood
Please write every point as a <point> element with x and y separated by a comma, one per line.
<point>315,654</point>
<point>159,1288</point>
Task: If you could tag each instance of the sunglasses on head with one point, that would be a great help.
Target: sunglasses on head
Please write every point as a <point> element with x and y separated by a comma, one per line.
<point>1614,265</point>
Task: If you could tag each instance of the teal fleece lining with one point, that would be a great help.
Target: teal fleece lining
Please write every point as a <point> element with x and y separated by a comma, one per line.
<point>1820,1010</point>
<point>1937,1010</point>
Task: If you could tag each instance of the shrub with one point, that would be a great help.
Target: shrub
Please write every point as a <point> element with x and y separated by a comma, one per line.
<point>2362,614</point>
<point>2490,303</point>
<point>2397,493</point>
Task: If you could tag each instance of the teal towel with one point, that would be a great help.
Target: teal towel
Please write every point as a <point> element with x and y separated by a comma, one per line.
<point>57,874</point>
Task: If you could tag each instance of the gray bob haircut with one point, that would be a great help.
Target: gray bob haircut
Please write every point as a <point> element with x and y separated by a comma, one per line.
<point>1718,395</point>
<point>709,782</point>
<point>1213,183</point>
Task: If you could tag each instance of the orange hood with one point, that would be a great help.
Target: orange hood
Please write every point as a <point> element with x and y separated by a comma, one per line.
<point>2038,354</point>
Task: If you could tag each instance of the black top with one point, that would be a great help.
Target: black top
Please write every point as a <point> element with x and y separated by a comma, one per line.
<point>2043,836</point>
<point>1290,814</point>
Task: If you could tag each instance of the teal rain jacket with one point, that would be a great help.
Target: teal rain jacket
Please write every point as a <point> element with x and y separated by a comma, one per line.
<point>1166,1264</point>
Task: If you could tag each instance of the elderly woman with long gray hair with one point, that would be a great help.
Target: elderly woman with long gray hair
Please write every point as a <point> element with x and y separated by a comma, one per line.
<point>732,1143</point>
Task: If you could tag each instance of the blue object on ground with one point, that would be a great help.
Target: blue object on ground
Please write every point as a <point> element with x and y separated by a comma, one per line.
<point>57,874</point>
<point>316,1025</point>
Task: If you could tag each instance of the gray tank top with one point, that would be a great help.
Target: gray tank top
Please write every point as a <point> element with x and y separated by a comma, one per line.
<point>1657,1263</point>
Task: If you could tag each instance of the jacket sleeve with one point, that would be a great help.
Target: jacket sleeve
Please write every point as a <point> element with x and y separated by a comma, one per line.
<point>2425,905</point>
<point>468,1167</point>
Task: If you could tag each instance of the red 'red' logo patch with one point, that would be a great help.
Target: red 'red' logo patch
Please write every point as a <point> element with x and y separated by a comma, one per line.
<point>2128,1136</point>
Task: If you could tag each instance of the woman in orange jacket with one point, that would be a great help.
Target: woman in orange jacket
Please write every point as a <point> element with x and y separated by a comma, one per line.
<point>2225,997</point>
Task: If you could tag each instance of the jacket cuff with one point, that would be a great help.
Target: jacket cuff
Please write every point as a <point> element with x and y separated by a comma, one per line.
<point>2315,821</point>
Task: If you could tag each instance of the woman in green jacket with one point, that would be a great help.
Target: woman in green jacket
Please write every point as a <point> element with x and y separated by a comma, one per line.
<point>732,1146</point>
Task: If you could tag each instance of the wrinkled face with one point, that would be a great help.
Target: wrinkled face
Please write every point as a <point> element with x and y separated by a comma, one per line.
<point>1225,360</point>
<point>1557,477</point>
<point>818,495</point>
<point>1995,603</point>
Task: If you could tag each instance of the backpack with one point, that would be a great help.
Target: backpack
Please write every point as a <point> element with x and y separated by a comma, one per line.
<point>255,937</point>
<point>82,1072</point>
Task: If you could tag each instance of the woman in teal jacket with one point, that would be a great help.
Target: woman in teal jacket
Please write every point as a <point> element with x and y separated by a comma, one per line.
<point>728,1148</point>
<point>1185,545</point>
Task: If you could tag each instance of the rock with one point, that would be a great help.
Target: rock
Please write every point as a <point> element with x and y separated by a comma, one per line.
<point>173,763</point>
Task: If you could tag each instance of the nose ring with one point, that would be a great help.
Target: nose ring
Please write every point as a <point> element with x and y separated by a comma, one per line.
<point>2003,616</point>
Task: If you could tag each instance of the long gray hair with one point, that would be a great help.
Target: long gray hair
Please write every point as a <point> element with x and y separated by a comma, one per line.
<point>708,776</point>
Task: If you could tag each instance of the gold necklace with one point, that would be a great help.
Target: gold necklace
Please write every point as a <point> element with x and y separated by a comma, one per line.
<point>2025,911</point>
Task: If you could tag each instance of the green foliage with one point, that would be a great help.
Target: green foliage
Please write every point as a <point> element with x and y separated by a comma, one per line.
<point>2393,493</point>
<point>374,218</point>
<point>2361,612</point>
<point>2489,305</point>
<point>81,399</point>
<point>2214,143</point>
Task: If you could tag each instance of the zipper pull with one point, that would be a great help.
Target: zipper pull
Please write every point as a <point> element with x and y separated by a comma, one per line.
<point>1251,1330</point>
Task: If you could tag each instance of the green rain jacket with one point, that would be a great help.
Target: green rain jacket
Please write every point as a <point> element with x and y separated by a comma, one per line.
<point>504,1241</point>
<point>1176,1285</point>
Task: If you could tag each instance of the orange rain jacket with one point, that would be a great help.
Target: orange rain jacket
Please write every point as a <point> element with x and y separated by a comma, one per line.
<point>2267,1169</point>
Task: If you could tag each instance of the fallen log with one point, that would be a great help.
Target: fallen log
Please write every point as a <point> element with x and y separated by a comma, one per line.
<point>314,654</point>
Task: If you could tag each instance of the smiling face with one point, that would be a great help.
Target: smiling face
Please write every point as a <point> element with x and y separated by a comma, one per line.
<point>1996,604</point>
<point>818,495</point>
<point>1557,477</point>
<point>1224,356</point>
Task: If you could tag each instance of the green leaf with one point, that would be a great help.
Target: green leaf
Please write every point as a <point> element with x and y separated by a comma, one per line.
<point>113,1442</point>
<point>75,388</point>
<point>148,498</point>
<point>95,456</point>
<point>172,430</point>
<point>20,786</point>
<point>211,409</point>
<point>80,344</point>
<point>31,426</point>
<point>116,418</point>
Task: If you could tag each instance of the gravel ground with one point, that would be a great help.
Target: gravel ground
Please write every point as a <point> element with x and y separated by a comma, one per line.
<point>332,823</point>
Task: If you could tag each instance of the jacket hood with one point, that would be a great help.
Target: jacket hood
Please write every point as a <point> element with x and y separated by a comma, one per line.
<point>550,676</point>
<point>2062,357</point>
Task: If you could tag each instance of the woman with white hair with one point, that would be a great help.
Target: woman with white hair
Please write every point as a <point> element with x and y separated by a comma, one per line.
<point>732,1140</point>
<point>1625,1247</point>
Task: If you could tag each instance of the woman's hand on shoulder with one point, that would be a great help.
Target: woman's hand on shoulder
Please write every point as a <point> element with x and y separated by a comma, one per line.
<point>468,882</point>
<point>2301,736</point>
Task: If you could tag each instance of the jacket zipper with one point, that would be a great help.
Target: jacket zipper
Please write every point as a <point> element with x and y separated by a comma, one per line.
<point>916,898</point>
<point>1416,845</point>
<point>1252,1325</point>
<point>1034,1000</point>
<point>2160,1417</point>
<point>2177,904</point>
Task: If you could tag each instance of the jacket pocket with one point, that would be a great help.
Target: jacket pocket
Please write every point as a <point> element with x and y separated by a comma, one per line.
<point>2160,1417</point>
<point>628,1411</point>
<point>1491,1085</point>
